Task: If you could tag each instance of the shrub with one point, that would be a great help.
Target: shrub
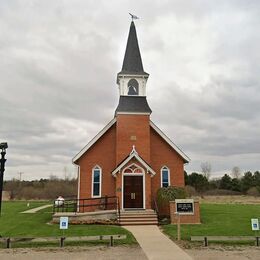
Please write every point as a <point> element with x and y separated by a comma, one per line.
<point>190,191</point>
<point>165,195</point>
<point>253,191</point>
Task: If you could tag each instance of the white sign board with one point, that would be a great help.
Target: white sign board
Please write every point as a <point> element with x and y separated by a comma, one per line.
<point>255,224</point>
<point>64,222</point>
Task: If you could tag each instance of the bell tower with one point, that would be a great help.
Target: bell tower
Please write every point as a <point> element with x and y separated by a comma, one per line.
<point>133,111</point>
<point>132,79</point>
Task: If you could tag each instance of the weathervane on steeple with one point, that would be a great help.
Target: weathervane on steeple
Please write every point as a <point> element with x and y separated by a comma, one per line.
<point>134,17</point>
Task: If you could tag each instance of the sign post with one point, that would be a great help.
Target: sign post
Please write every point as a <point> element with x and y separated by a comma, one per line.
<point>255,224</point>
<point>178,226</point>
<point>255,227</point>
<point>64,224</point>
<point>3,147</point>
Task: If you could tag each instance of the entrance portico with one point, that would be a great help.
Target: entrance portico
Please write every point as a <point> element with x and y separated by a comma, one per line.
<point>133,182</point>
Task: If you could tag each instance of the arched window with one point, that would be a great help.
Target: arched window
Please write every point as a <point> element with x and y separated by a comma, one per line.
<point>165,177</point>
<point>96,181</point>
<point>133,168</point>
<point>133,87</point>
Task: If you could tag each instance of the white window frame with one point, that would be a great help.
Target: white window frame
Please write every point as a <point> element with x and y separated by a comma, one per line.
<point>100,181</point>
<point>169,180</point>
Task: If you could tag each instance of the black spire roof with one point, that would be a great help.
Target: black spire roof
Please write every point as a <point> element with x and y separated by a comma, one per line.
<point>132,61</point>
<point>133,104</point>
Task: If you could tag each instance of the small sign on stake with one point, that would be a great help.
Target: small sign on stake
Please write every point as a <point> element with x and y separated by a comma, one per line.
<point>255,224</point>
<point>64,222</point>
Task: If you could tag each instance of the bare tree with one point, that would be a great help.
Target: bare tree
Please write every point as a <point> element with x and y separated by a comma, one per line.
<point>236,172</point>
<point>206,169</point>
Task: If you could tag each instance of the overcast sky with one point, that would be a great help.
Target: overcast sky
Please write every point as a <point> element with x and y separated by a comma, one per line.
<point>58,66</point>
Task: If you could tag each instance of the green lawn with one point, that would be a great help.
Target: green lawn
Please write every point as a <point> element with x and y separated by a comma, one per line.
<point>219,220</point>
<point>13,223</point>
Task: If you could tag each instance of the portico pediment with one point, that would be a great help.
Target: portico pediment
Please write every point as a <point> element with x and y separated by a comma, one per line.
<point>133,155</point>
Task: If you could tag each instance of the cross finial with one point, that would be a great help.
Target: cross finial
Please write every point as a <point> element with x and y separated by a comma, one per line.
<point>133,150</point>
<point>133,17</point>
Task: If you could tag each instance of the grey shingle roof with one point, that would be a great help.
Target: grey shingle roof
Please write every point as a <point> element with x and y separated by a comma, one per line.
<point>133,104</point>
<point>132,63</point>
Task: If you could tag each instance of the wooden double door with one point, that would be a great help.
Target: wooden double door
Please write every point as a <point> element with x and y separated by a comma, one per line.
<point>133,192</point>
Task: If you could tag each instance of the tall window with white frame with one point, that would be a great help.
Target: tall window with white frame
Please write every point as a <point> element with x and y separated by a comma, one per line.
<point>165,177</point>
<point>96,182</point>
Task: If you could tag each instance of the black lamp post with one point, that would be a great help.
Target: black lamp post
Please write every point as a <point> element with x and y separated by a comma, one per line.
<point>3,147</point>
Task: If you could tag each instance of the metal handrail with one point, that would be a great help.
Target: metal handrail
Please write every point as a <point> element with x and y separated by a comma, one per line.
<point>76,204</point>
<point>118,210</point>
<point>155,206</point>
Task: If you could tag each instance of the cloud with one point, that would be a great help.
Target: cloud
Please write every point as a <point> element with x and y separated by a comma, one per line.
<point>59,61</point>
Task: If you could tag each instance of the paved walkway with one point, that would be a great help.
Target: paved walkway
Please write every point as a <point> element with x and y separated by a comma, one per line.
<point>34,210</point>
<point>156,245</point>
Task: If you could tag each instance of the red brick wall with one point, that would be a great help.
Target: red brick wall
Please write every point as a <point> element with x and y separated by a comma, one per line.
<point>162,154</point>
<point>102,153</point>
<point>185,219</point>
<point>116,144</point>
<point>128,127</point>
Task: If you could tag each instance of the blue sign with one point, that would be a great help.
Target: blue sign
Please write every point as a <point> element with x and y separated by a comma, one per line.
<point>255,224</point>
<point>64,222</point>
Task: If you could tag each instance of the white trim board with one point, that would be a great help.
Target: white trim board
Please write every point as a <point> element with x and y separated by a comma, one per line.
<point>94,140</point>
<point>138,158</point>
<point>133,113</point>
<point>169,141</point>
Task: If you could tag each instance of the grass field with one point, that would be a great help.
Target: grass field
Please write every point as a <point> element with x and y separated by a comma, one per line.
<point>219,220</point>
<point>13,223</point>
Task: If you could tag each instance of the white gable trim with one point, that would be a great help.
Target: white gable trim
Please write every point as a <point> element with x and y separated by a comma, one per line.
<point>102,132</point>
<point>133,154</point>
<point>174,146</point>
<point>133,113</point>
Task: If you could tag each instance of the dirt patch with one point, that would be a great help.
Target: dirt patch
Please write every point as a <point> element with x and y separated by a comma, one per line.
<point>76,253</point>
<point>229,253</point>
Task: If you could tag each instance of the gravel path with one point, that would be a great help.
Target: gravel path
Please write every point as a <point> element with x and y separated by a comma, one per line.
<point>75,253</point>
<point>238,253</point>
<point>124,253</point>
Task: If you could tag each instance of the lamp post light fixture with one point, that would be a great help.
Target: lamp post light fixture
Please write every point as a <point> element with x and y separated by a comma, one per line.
<point>3,147</point>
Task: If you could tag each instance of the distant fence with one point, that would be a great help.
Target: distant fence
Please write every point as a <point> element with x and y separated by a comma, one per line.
<point>60,240</point>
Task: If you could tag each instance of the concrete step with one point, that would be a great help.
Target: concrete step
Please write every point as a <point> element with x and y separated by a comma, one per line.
<point>138,212</point>
<point>144,217</point>
<point>138,216</point>
<point>137,219</point>
<point>138,223</point>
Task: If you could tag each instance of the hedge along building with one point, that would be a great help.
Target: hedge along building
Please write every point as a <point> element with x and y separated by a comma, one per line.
<point>130,158</point>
